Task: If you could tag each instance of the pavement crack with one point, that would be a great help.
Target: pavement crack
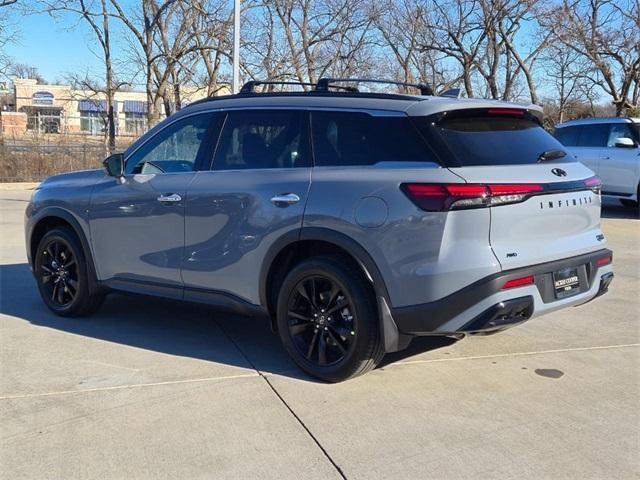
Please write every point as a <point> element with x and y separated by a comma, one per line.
<point>284,402</point>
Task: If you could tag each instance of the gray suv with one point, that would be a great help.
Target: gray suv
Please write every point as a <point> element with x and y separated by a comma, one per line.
<point>353,221</point>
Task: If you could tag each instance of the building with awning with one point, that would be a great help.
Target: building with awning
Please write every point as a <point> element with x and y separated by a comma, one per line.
<point>62,109</point>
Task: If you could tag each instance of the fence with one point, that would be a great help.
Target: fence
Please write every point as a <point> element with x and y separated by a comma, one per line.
<point>27,161</point>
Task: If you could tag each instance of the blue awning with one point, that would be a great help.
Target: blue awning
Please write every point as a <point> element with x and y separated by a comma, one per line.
<point>135,106</point>
<point>92,105</point>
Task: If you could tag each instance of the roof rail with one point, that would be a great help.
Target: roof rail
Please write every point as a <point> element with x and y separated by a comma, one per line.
<point>325,83</point>
<point>249,87</point>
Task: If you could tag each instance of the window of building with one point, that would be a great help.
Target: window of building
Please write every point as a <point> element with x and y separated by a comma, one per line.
<point>135,123</point>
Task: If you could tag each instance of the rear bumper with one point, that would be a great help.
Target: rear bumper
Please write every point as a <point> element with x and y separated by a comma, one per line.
<point>484,307</point>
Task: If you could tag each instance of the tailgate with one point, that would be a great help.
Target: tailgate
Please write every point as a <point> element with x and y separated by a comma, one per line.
<point>560,221</point>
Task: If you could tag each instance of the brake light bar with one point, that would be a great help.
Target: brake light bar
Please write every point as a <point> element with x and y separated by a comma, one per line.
<point>512,112</point>
<point>518,282</point>
<point>436,197</point>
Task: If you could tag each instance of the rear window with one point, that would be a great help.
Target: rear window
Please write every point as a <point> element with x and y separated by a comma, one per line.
<point>469,138</point>
<point>354,138</point>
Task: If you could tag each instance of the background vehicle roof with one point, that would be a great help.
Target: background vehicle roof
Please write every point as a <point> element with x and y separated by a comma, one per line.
<point>594,120</point>
<point>414,105</point>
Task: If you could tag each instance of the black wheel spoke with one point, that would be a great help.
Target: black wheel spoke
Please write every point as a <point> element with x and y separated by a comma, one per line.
<point>337,342</point>
<point>299,328</point>
<point>338,306</point>
<point>322,349</point>
<point>298,316</point>
<point>333,294</point>
<point>60,296</point>
<point>72,283</point>
<point>69,263</point>
<point>54,292</point>
<point>312,344</point>
<point>303,293</point>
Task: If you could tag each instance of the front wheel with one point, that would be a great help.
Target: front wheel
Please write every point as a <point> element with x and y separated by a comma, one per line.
<point>62,275</point>
<point>328,321</point>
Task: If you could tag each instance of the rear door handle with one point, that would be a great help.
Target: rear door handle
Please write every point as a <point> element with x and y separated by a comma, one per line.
<point>169,198</point>
<point>285,199</point>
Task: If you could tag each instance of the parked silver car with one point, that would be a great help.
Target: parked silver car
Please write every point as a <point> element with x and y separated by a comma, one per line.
<point>355,221</point>
<point>611,148</point>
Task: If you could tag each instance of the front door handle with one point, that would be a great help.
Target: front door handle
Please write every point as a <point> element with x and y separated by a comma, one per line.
<point>169,198</point>
<point>285,199</point>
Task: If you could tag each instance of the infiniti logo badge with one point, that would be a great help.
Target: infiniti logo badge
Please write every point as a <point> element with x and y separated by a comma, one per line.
<point>558,172</point>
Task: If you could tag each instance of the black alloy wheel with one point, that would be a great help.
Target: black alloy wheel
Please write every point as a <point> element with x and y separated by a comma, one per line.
<point>58,272</point>
<point>321,322</point>
<point>327,318</point>
<point>62,274</point>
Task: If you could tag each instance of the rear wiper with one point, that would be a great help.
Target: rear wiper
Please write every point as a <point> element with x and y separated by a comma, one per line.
<point>551,155</point>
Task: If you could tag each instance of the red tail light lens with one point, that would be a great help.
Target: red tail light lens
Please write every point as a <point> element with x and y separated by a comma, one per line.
<point>593,182</point>
<point>518,282</point>
<point>439,197</point>
<point>602,261</point>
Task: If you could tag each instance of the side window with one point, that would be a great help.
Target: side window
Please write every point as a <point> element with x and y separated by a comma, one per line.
<point>619,130</point>
<point>254,139</point>
<point>567,136</point>
<point>353,138</point>
<point>174,149</point>
<point>594,135</point>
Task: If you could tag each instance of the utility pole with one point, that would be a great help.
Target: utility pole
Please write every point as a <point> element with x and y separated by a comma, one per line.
<point>236,46</point>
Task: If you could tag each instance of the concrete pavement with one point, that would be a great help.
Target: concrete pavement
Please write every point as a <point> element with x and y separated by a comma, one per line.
<point>150,388</point>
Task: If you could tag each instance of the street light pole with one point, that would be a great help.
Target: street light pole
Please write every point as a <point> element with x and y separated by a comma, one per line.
<point>236,46</point>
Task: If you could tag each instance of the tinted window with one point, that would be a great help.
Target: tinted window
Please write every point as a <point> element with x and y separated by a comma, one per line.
<point>594,135</point>
<point>567,135</point>
<point>352,138</point>
<point>619,130</point>
<point>473,138</point>
<point>262,139</point>
<point>174,149</point>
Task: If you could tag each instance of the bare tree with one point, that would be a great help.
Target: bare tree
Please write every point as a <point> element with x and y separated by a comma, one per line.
<point>97,16</point>
<point>24,70</point>
<point>323,38</point>
<point>607,34</point>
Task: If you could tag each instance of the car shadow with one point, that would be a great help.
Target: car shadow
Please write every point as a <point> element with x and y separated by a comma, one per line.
<point>614,209</point>
<point>170,327</point>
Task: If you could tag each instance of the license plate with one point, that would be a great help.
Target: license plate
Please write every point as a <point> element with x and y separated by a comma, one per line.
<point>566,282</point>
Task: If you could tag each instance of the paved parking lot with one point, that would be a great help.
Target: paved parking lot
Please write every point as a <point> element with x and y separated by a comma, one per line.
<point>156,389</point>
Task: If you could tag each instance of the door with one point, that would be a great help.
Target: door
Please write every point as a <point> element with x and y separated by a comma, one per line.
<point>591,140</point>
<point>137,223</point>
<point>620,166</point>
<point>255,194</point>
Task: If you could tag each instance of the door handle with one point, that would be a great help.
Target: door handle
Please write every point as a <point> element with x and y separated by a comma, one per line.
<point>169,198</point>
<point>285,199</point>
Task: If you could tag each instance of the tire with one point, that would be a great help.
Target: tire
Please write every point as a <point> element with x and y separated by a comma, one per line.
<point>62,275</point>
<point>328,319</point>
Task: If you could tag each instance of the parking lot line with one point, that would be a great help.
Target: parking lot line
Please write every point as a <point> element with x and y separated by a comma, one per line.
<point>124,387</point>
<point>516,354</point>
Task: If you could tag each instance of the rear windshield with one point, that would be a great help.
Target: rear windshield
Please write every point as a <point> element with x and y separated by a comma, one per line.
<point>473,139</point>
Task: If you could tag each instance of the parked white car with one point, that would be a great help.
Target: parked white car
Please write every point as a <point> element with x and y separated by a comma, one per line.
<point>611,148</point>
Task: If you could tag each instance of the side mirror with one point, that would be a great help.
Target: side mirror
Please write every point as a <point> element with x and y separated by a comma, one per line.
<point>114,165</point>
<point>624,142</point>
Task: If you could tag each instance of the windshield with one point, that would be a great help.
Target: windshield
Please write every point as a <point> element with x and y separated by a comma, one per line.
<point>477,137</point>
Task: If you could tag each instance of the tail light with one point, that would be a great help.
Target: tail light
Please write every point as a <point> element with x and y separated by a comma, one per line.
<point>602,261</point>
<point>437,197</point>
<point>518,282</point>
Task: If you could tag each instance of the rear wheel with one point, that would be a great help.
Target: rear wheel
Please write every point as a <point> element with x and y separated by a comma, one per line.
<point>632,203</point>
<point>327,319</point>
<point>62,275</point>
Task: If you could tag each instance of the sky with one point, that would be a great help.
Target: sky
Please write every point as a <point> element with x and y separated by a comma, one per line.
<point>57,48</point>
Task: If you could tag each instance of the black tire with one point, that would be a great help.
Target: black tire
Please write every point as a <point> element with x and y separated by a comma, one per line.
<point>338,315</point>
<point>62,275</point>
